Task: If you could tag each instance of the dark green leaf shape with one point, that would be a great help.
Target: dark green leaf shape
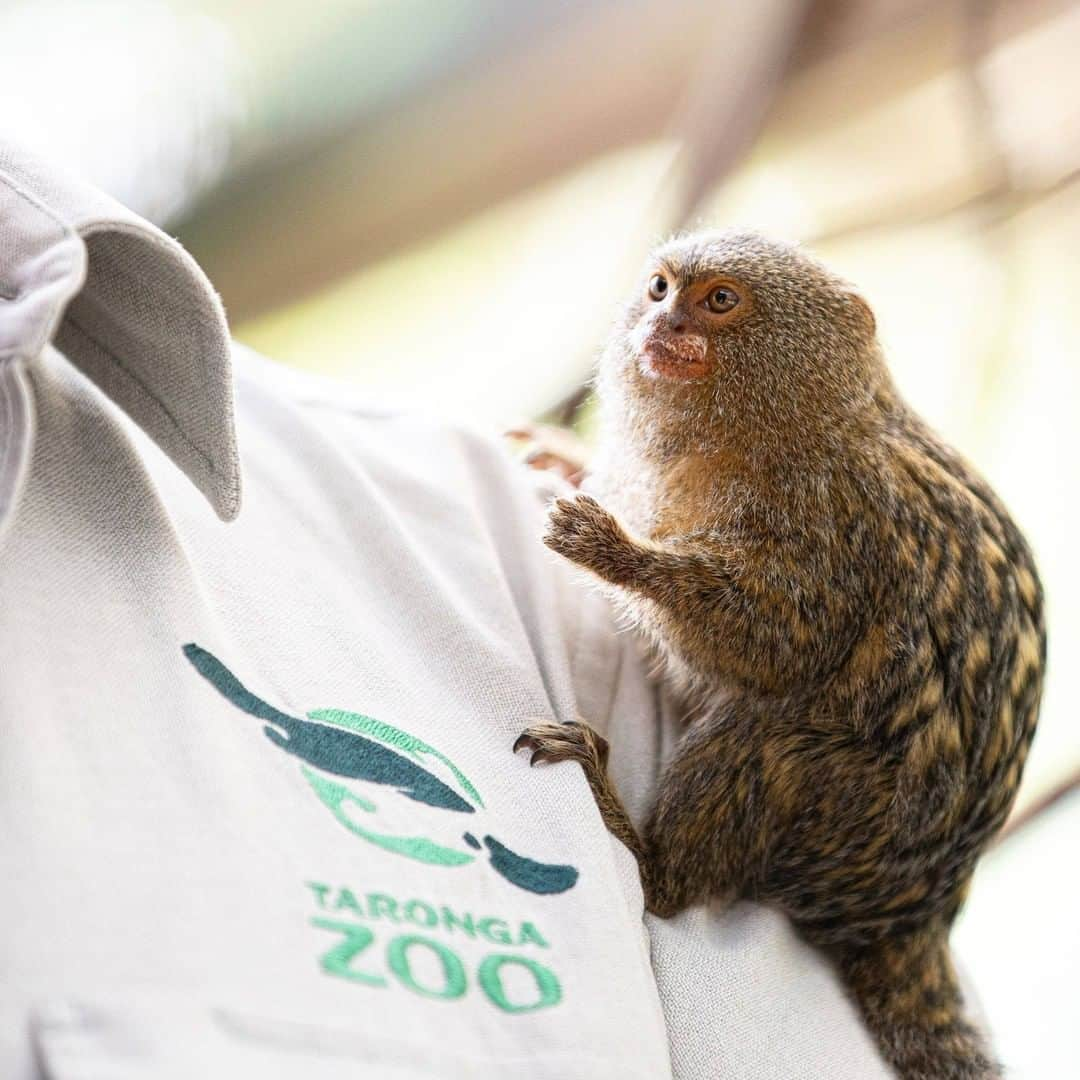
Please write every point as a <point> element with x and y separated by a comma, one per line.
<point>332,749</point>
<point>392,736</point>
<point>536,877</point>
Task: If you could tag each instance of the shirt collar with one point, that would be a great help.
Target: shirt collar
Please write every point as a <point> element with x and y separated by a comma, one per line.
<point>128,306</point>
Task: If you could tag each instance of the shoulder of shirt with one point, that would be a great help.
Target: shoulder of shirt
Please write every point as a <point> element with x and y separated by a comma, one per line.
<point>313,392</point>
<point>307,389</point>
<point>350,406</point>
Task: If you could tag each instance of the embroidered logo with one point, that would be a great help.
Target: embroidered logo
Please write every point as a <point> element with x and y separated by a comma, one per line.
<point>433,950</point>
<point>335,747</point>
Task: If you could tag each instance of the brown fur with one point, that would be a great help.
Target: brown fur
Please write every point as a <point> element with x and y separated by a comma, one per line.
<point>850,612</point>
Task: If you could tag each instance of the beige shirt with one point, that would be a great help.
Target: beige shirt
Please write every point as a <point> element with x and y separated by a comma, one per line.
<point>260,813</point>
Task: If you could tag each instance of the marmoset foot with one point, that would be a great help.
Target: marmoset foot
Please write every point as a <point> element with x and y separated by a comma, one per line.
<point>550,741</point>
<point>578,742</point>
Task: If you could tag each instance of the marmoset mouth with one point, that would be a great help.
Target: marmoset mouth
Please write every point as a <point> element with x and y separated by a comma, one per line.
<point>674,358</point>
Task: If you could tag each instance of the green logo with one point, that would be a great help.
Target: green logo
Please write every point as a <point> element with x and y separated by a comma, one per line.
<point>337,747</point>
<point>431,950</point>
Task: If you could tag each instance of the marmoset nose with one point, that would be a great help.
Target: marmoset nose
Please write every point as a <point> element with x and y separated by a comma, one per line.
<point>677,324</point>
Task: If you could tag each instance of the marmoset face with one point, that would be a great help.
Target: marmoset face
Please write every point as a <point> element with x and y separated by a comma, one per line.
<point>744,326</point>
<point>680,317</point>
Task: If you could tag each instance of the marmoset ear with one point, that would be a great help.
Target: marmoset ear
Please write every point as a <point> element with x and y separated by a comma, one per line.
<point>862,311</point>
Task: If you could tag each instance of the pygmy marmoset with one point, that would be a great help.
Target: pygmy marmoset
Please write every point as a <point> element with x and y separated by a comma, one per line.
<point>847,607</point>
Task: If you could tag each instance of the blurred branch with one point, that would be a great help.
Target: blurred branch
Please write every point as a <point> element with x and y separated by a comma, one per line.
<point>988,145</point>
<point>527,107</point>
<point>992,207</point>
<point>1001,197</point>
<point>726,103</point>
<point>991,151</point>
<point>1020,821</point>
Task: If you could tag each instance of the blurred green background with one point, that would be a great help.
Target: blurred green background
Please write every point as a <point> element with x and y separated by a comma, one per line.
<point>442,201</point>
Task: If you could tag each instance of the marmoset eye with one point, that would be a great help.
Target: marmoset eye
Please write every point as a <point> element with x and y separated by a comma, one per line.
<point>658,286</point>
<point>722,299</point>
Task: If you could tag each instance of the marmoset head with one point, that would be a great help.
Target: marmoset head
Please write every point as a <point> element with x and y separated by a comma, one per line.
<point>730,330</point>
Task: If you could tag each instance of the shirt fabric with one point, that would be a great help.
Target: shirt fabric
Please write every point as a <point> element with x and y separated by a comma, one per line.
<point>260,811</point>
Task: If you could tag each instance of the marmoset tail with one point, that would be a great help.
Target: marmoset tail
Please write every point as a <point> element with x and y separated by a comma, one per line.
<point>850,613</point>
